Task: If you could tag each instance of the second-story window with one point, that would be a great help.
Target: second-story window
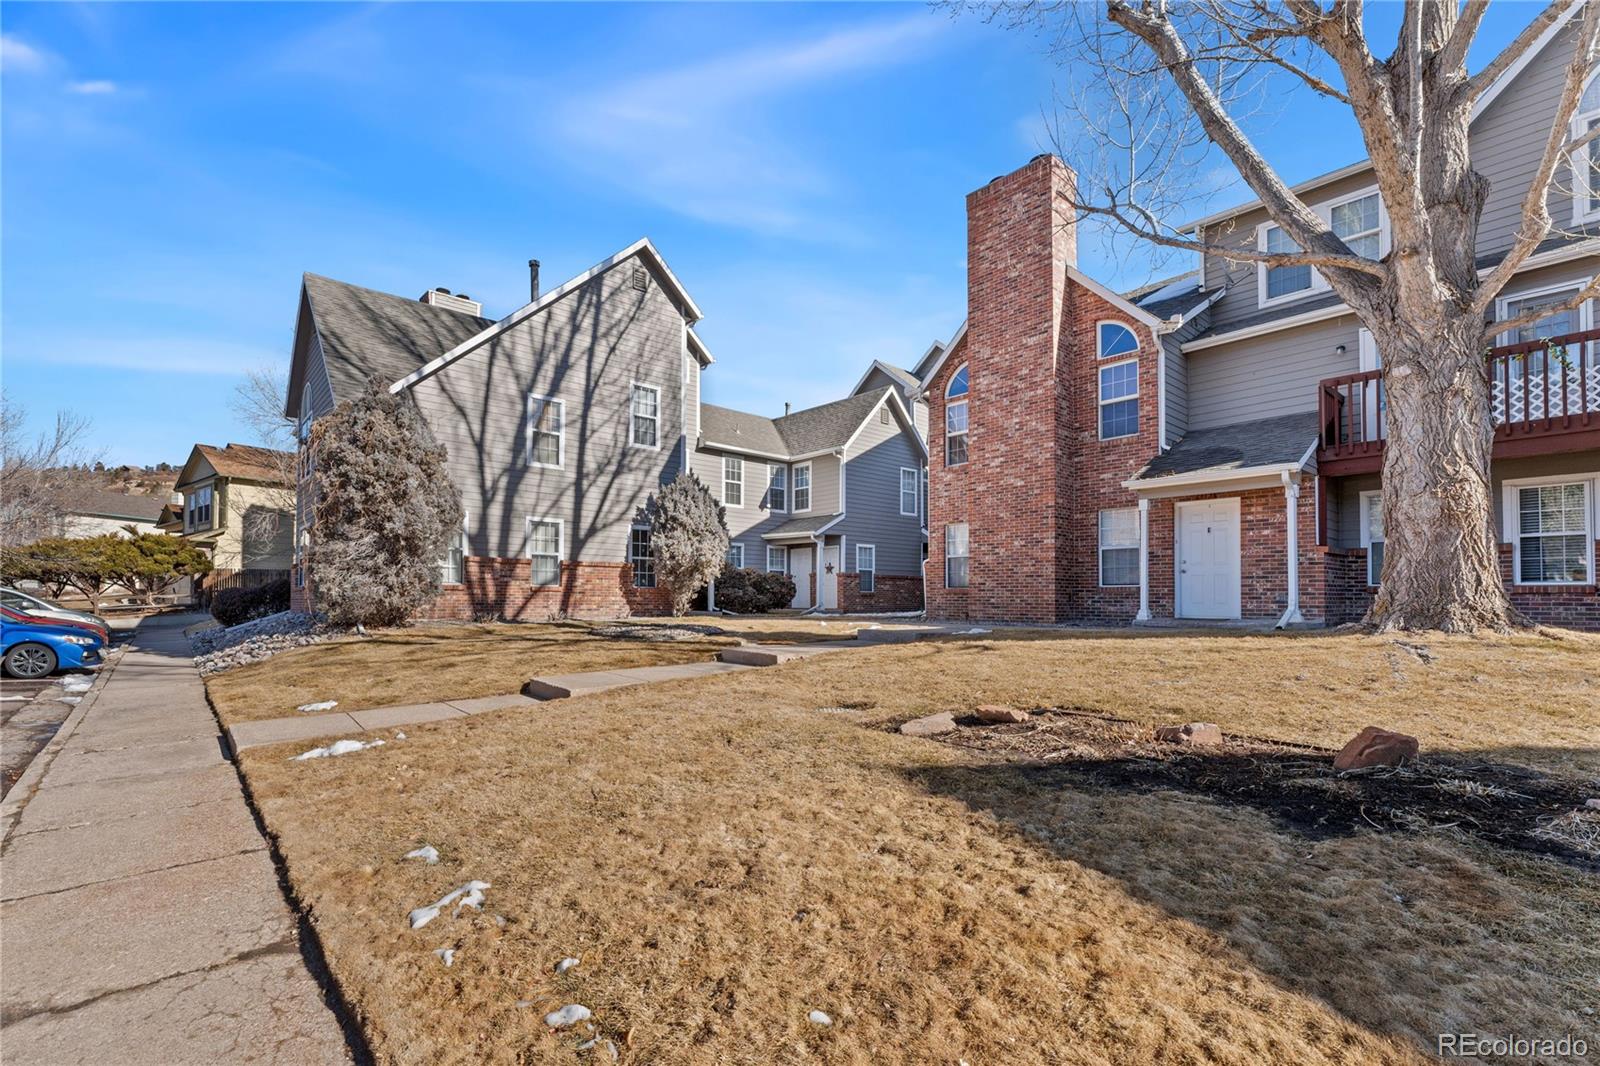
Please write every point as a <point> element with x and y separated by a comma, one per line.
<point>732,481</point>
<point>1358,223</point>
<point>1119,400</point>
<point>802,487</point>
<point>778,487</point>
<point>197,509</point>
<point>546,431</point>
<point>644,430</point>
<point>955,419</point>
<point>908,491</point>
<point>1586,163</point>
<point>1282,281</point>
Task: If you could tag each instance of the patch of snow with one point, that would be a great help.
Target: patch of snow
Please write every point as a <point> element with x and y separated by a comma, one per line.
<point>974,631</point>
<point>78,684</point>
<point>313,708</point>
<point>399,735</point>
<point>473,899</point>
<point>338,747</point>
<point>427,853</point>
<point>817,1017</point>
<point>423,915</point>
<point>571,1014</point>
<point>69,699</point>
<point>1176,287</point>
<point>566,964</point>
<point>447,954</point>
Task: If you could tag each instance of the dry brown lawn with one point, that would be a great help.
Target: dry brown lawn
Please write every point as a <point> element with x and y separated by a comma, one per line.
<point>726,855</point>
<point>432,662</point>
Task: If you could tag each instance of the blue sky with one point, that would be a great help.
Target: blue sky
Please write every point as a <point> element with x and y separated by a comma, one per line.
<point>170,170</point>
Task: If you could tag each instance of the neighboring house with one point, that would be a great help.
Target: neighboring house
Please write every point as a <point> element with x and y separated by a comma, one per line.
<point>237,503</point>
<point>564,418</point>
<point>831,496</point>
<point>1101,457</point>
<point>92,512</point>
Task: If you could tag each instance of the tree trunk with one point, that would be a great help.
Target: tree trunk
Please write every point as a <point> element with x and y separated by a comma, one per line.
<point>1441,566</point>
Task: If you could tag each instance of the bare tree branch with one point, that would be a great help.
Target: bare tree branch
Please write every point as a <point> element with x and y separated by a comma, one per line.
<point>1454,53</point>
<point>1528,318</point>
<point>1479,83</point>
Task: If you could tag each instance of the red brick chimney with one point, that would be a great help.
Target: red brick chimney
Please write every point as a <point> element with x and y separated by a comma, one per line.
<point>1020,241</point>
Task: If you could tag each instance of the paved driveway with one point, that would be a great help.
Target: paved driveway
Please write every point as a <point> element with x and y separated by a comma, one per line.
<point>141,920</point>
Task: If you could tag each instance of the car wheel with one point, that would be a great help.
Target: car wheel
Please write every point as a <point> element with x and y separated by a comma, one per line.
<point>30,661</point>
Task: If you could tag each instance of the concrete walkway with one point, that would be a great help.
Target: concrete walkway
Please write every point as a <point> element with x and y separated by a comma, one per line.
<point>141,918</point>
<point>537,690</point>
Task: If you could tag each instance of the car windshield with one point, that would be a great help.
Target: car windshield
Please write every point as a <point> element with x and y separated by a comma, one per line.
<point>22,601</point>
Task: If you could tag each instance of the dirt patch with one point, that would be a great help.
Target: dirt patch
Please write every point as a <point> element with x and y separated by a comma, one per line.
<point>1508,806</point>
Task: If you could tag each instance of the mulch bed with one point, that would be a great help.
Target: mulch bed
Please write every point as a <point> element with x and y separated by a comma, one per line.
<point>1508,806</point>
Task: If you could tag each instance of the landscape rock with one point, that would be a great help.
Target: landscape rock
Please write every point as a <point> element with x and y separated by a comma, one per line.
<point>1592,804</point>
<point>1376,747</point>
<point>994,712</point>
<point>930,726</point>
<point>219,649</point>
<point>670,632</point>
<point>1195,734</point>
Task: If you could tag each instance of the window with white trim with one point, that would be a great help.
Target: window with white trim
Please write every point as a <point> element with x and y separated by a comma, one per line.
<point>956,549</point>
<point>1586,162</point>
<point>777,487</point>
<point>1554,541</point>
<point>867,567</point>
<point>544,551</point>
<point>777,559</point>
<point>732,481</point>
<point>1115,338</point>
<point>1372,534</point>
<point>546,431</point>
<point>1281,282</point>
<point>736,555</point>
<point>802,487</point>
<point>644,430</point>
<point>955,419</point>
<point>1119,547</point>
<point>197,509</point>
<point>1359,223</point>
<point>909,483</point>
<point>455,555</point>
<point>1119,400</point>
<point>641,558</point>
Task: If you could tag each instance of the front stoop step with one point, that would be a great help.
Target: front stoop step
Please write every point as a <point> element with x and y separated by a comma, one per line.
<point>756,656</point>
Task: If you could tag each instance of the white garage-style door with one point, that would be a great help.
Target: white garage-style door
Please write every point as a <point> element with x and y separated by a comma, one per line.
<point>1208,558</point>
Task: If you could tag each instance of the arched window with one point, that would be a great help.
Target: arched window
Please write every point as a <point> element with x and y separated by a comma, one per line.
<point>955,419</point>
<point>1586,160</point>
<point>1119,381</point>
<point>1116,339</point>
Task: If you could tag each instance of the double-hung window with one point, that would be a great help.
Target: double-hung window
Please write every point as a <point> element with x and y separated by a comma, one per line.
<point>956,551</point>
<point>1119,400</point>
<point>777,559</point>
<point>867,566</point>
<point>644,430</point>
<point>736,555</point>
<point>777,487</point>
<point>1119,547</point>
<point>1554,533</point>
<point>546,431</point>
<point>955,419</point>
<point>732,481</point>
<point>1359,223</point>
<point>910,482</point>
<point>1586,162</point>
<point>544,551</point>
<point>1282,282</point>
<point>802,487</point>
<point>640,558</point>
<point>1372,534</point>
<point>455,554</point>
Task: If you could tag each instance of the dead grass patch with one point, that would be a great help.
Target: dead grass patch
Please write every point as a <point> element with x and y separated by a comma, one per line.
<point>724,858</point>
<point>423,663</point>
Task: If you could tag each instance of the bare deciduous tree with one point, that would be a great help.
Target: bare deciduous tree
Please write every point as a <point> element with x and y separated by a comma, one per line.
<point>1155,84</point>
<point>258,403</point>
<point>36,475</point>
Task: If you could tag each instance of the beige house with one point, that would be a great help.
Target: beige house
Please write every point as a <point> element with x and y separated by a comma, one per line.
<point>94,512</point>
<point>238,503</point>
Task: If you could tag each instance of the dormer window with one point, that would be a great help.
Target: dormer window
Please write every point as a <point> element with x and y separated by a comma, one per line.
<point>955,419</point>
<point>1586,160</point>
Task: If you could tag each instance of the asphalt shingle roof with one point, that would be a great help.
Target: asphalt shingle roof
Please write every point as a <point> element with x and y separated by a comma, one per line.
<point>1264,442</point>
<point>103,503</point>
<point>368,334</point>
<point>739,429</point>
<point>799,526</point>
<point>816,429</point>
<point>248,462</point>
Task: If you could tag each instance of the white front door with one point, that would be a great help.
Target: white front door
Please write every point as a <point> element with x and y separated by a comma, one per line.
<point>830,577</point>
<point>1208,559</point>
<point>800,571</point>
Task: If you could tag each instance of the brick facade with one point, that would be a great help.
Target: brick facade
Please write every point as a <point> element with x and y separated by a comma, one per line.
<point>891,592</point>
<point>1572,606</point>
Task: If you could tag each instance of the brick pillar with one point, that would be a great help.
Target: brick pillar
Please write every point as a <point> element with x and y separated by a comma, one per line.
<point>1020,240</point>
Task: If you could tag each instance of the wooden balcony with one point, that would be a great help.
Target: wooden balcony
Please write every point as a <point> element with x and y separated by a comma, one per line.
<point>1544,398</point>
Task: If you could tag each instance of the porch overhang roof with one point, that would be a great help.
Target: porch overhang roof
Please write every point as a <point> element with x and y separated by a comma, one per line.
<point>800,529</point>
<point>1247,455</point>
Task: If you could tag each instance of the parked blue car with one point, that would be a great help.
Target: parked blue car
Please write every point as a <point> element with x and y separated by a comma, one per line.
<point>32,646</point>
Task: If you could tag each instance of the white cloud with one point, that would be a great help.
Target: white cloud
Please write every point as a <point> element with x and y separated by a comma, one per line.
<point>699,140</point>
<point>92,88</point>
<point>16,55</point>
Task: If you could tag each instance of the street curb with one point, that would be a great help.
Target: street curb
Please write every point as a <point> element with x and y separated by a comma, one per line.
<point>12,806</point>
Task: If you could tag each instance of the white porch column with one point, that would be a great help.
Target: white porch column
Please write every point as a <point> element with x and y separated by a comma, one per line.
<point>1291,494</point>
<point>1144,561</point>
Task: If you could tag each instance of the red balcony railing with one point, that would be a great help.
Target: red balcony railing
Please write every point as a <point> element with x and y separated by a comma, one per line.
<point>1537,389</point>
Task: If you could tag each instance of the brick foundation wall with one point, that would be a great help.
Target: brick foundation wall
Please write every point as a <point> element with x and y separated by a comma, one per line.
<point>892,592</point>
<point>502,588</point>
<point>1571,606</point>
<point>1348,596</point>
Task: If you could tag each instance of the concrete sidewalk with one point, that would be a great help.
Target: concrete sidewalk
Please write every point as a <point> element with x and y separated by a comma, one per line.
<point>535,691</point>
<point>141,918</point>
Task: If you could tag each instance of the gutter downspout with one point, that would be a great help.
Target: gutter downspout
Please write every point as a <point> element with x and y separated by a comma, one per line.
<point>1144,560</point>
<point>1291,494</point>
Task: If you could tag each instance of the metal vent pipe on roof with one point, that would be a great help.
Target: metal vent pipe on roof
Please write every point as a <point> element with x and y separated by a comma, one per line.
<point>533,279</point>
